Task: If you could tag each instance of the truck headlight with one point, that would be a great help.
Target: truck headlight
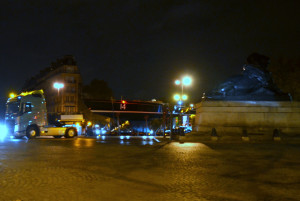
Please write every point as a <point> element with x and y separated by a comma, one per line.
<point>16,128</point>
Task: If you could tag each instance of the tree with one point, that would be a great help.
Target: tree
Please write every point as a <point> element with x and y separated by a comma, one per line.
<point>97,89</point>
<point>286,73</point>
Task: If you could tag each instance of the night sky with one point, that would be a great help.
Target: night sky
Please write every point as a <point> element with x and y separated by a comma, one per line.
<point>140,47</point>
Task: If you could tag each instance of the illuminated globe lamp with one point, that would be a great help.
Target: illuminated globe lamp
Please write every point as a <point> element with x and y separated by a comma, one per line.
<point>58,86</point>
<point>177,97</point>
<point>180,99</point>
<point>185,81</point>
<point>177,82</point>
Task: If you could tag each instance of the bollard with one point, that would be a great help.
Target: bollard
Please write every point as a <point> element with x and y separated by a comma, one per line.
<point>276,135</point>
<point>245,136</point>
<point>214,135</point>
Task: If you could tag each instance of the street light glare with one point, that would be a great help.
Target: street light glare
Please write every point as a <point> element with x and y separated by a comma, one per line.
<point>186,80</point>
<point>176,97</point>
<point>177,82</point>
<point>184,97</point>
<point>58,85</point>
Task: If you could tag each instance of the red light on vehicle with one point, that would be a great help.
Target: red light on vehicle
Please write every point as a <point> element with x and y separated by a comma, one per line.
<point>123,102</point>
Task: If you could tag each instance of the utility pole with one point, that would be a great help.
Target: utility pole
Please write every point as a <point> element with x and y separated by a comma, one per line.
<point>171,120</point>
<point>164,120</point>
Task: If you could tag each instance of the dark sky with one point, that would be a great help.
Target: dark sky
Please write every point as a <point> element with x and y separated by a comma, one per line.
<point>141,47</point>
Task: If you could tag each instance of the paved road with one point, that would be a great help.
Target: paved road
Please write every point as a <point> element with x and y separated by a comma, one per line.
<point>111,169</point>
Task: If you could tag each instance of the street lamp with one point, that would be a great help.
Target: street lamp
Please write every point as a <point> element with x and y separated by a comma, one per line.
<point>185,81</point>
<point>12,95</point>
<point>177,97</point>
<point>58,86</point>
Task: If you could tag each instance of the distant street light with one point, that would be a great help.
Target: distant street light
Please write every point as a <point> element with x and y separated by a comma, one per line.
<point>185,81</point>
<point>184,97</point>
<point>58,86</point>
<point>177,97</point>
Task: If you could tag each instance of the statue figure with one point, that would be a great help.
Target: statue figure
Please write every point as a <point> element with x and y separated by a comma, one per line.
<point>254,83</point>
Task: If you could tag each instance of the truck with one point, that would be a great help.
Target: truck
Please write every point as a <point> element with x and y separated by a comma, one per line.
<point>26,115</point>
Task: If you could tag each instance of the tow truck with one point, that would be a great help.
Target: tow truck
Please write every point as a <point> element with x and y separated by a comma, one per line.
<point>26,115</point>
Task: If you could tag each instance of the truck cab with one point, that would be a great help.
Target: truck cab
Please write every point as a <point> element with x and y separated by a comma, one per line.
<point>26,115</point>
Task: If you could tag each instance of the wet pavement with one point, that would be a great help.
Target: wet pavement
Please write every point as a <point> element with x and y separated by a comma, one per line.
<point>147,169</point>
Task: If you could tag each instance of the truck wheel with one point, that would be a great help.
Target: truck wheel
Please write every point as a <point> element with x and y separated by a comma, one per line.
<point>31,132</point>
<point>70,133</point>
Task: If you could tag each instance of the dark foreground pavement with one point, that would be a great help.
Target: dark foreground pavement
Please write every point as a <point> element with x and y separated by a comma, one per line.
<point>94,169</point>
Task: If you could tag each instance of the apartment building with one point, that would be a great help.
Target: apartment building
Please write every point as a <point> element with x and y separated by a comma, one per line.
<point>60,101</point>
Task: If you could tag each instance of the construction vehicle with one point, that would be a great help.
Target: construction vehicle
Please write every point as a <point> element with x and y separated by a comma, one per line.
<point>26,115</point>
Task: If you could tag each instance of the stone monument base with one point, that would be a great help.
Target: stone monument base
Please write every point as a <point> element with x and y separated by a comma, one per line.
<point>248,120</point>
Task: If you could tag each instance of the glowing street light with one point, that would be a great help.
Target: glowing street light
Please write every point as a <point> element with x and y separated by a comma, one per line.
<point>177,97</point>
<point>58,86</point>
<point>177,82</point>
<point>184,97</point>
<point>185,81</point>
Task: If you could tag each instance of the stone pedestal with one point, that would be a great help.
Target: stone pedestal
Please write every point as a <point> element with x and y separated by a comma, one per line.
<point>248,119</point>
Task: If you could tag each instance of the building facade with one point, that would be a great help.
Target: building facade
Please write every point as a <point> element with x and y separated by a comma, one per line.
<point>64,100</point>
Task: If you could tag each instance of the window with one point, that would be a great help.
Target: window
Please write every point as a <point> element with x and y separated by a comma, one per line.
<point>70,69</point>
<point>26,107</point>
<point>71,89</point>
<point>69,109</point>
<point>70,79</point>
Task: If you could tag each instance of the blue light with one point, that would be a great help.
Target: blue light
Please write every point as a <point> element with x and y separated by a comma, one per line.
<point>121,137</point>
<point>127,137</point>
<point>144,137</point>
<point>151,137</point>
<point>103,131</point>
<point>179,102</point>
<point>3,132</point>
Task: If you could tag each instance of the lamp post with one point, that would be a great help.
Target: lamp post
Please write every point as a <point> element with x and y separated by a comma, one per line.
<point>185,81</point>
<point>58,86</point>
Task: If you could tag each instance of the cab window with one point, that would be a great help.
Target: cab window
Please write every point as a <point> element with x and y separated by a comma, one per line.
<point>26,107</point>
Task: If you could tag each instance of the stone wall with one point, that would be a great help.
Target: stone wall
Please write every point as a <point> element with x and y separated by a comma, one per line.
<point>266,119</point>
